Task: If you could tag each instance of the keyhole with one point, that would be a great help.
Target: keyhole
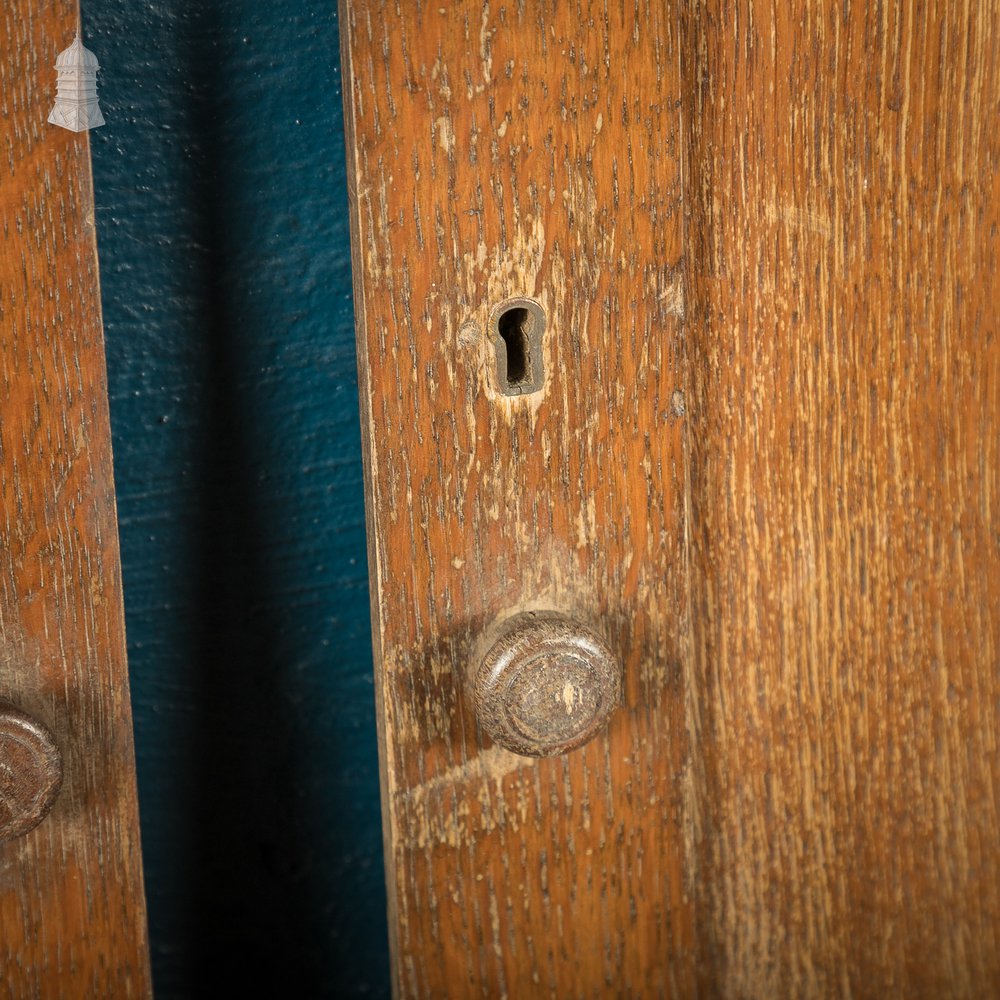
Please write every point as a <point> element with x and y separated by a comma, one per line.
<point>517,336</point>
<point>514,325</point>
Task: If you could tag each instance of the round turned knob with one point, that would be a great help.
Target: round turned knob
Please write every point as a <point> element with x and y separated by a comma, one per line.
<point>30,772</point>
<point>545,685</point>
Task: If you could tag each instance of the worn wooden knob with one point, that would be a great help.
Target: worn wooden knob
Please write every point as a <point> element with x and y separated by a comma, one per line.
<point>545,684</point>
<point>30,772</point>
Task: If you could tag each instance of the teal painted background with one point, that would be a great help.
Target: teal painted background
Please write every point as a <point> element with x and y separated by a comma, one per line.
<point>221,206</point>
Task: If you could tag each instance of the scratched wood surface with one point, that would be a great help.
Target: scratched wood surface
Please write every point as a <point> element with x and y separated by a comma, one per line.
<point>500,151</point>
<point>72,915</point>
<point>844,417</point>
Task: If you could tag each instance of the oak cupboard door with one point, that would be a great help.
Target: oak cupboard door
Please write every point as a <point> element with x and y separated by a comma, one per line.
<point>843,375</point>
<point>518,271</point>
<point>72,912</point>
<point>750,440</point>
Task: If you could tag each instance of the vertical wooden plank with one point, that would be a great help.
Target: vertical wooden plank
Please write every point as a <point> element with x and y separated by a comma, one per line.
<point>844,402</point>
<point>72,915</point>
<point>502,150</point>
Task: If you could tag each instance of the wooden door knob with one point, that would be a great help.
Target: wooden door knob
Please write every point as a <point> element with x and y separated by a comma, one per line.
<point>30,772</point>
<point>545,684</point>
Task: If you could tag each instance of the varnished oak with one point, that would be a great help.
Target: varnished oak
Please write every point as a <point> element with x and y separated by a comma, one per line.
<point>503,151</point>
<point>774,484</point>
<point>72,915</point>
<point>843,372</point>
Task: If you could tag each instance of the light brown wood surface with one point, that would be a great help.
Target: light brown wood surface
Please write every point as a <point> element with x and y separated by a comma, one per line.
<point>72,915</point>
<point>502,151</point>
<point>844,407</point>
<point>764,462</point>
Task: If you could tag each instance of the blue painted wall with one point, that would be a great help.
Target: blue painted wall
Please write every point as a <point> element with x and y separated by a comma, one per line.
<point>225,262</point>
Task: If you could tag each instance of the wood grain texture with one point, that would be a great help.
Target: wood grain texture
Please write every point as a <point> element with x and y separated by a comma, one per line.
<point>498,151</point>
<point>72,917</point>
<point>844,408</point>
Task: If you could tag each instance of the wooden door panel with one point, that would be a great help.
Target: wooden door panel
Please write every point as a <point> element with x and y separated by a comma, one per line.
<point>773,483</point>
<point>72,913</point>
<point>844,401</point>
<point>523,151</point>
